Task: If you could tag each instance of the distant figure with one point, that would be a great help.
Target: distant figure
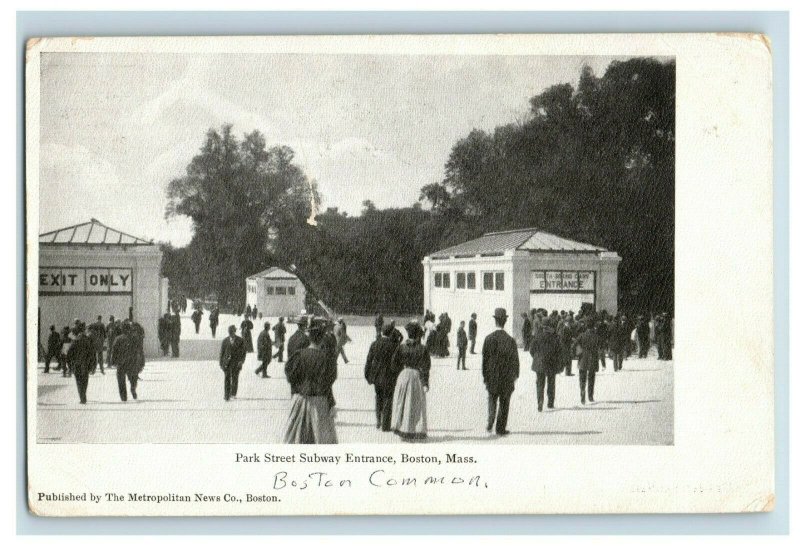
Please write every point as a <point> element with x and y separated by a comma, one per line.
<point>255,312</point>
<point>247,334</point>
<point>473,333</point>
<point>112,331</point>
<point>81,358</point>
<point>340,331</point>
<point>248,311</point>
<point>67,337</point>
<point>164,334</point>
<point>184,303</point>
<point>213,321</point>
<point>527,332</point>
<point>175,335</point>
<point>298,340</point>
<point>311,374</point>
<point>53,349</point>
<point>126,356</point>
<point>412,363</point>
<point>643,336</point>
<point>500,372</point>
<point>617,342</point>
<point>663,330</point>
<point>264,346</point>
<point>197,316</point>
<point>545,348</point>
<point>430,334</point>
<point>588,360</point>
<point>280,338</point>
<point>461,343</point>
<point>378,325</point>
<point>378,372</point>
<point>231,359</point>
<point>97,333</point>
<point>137,332</point>
<point>566,335</point>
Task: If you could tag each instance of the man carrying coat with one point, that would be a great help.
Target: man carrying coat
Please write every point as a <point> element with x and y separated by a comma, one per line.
<point>125,352</point>
<point>81,359</point>
<point>378,372</point>
<point>500,371</point>
<point>588,344</point>
<point>547,360</point>
<point>231,359</point>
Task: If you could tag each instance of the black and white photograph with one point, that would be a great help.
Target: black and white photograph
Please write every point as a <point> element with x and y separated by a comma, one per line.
<point>411,247</point>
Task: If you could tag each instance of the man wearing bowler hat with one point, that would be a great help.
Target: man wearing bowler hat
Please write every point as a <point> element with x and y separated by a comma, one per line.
<point>231,358</point>
<point>500,371</point>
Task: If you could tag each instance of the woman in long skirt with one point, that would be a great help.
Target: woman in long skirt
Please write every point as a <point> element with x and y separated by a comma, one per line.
<point>412,360</point>
<point>247,334</point>
<point>311,373</point>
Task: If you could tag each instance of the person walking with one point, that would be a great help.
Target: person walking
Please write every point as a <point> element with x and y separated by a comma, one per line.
<point>247,334</point>
<point>461,344</point>
<point>231,358</point>
<point>264,345</point>
<point>67,338</point>
<point>500,372</point>
<point>473,333</point>
<point>643,336</point>
<point>412,364</point>
<point>527,332</point>
<point>97,333</point>
<point>112,331</point>
<point>126,357</point>
<point>175,335</point>
<point>213,321</point>
<point>280,338</point>
<point>617,342</point>
<point>546,351</point>
<point>164,335</point>
<point>53,349</point>
<point>340,331</point>
<point>80,358</point>
<point>197,316</point>
<point>311,374</point>
<point>588,360</point>
<point>378,371</point>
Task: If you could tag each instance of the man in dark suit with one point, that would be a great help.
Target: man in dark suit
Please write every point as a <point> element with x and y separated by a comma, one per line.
<point>461,344</point>
<point>473,333</point>
<point>378,371</point>
<point>280,338</point>
<point>175,335</point>
<point>112,331</point>
<point>125,352</point>
<point>81,358</point>
<point>231,358</point>
<point>213,321</point>
<point>500,371</point>
<point>298,340</point>
<point>97,333</point>
<point>164,325</point>
<point>264,349</point>
<point>588,344</point>
<point>546,351</point>
<point>53,349</point>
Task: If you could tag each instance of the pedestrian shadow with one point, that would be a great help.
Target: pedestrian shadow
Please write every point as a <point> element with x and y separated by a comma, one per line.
<point>48,404</point>
<point>456,439</point>
<point>583,408</point>
<point>555,433</point>
<point>240,399</point>
<point>629,401</point>
<point>641,369</point>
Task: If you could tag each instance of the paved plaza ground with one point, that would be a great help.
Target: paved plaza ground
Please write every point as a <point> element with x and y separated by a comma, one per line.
<point>181,401</point>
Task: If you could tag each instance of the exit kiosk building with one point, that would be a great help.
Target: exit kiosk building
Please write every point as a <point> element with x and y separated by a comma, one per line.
<point>91,269</point>
<point>276,293</point>
<point>518,270</point>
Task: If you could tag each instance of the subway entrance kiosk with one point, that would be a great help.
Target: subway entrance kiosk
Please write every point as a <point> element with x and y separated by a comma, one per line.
<point>91,269</point>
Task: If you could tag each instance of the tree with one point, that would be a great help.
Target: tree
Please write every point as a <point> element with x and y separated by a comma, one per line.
<point>241,197</point>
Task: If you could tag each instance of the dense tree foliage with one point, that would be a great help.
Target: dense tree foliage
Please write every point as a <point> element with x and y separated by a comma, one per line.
<point>595,164</point>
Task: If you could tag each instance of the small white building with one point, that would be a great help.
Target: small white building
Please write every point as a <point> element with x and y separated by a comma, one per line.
<point>91,269</point>
<point>518,270</point>
<point>276,293</point>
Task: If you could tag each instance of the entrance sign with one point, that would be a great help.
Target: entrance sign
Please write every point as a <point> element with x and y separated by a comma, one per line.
<point>60,280</point>
<point>562,281</point>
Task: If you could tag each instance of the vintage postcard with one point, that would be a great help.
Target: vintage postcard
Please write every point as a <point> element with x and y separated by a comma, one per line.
<point>321,275</point>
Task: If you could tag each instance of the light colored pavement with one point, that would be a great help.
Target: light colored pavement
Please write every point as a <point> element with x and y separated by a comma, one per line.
<point>180,401</point>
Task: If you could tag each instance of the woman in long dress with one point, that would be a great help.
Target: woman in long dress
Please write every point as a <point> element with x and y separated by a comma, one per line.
<point>413,362</point>
<point>247,334</point>
<point>311,373</point>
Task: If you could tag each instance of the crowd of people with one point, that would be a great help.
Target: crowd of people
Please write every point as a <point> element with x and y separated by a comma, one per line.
<point>397,367</point>
<point>81,350</point>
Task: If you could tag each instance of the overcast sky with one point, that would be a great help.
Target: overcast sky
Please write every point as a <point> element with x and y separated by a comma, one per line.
<point>116,128</point>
